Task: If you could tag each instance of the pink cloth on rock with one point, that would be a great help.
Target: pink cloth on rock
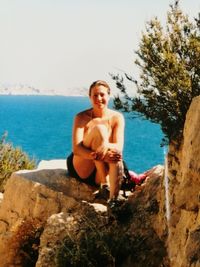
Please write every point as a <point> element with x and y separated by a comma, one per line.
<point>137,178</point>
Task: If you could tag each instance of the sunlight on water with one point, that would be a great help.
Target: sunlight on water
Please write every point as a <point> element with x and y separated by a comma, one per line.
<point>167,203</point>
<point>166,182</point>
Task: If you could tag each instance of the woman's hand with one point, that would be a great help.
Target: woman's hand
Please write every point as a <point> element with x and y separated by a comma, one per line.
<point>100,153</point>
<point>107,155</point>
<point>113,155</point>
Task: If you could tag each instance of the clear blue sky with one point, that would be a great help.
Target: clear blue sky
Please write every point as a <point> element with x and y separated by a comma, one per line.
<point>61,44</point>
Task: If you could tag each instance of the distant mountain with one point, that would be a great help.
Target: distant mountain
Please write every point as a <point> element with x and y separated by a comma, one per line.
<point>29,90</point>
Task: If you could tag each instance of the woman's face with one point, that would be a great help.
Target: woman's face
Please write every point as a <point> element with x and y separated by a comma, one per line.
<point>99,96</point>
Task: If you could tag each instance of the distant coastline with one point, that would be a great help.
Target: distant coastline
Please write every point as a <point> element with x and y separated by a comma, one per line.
<point>31,91</point>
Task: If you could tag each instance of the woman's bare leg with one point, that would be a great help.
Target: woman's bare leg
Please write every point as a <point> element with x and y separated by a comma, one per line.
<point>106,172</point>
<point>115,173</point>
<point>96,138</point>
<point>84,167</point>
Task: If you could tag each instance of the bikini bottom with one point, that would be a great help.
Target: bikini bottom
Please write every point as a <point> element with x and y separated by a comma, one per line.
<point>90,180</point>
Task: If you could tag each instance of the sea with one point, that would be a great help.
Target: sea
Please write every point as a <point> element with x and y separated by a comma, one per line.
<point>42,127</point>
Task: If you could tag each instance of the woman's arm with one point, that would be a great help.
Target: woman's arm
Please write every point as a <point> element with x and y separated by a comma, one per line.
<point>118,134</point>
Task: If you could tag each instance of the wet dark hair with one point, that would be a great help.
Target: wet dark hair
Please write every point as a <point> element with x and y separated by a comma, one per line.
<point>97,83</point>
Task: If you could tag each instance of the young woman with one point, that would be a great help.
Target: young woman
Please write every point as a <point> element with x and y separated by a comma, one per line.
<point>98,139</point>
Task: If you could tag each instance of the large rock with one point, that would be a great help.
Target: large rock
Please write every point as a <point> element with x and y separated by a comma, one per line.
<point>52,164</point>
<point>184,181</point>
<point>138,231</point>
<point>32,197</point>
<point>43,209</point>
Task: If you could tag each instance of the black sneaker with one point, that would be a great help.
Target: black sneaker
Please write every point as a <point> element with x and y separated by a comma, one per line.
<point>114,206</point>
<point>120,210</point>
<point>103,193</point>
<point>115,203</point>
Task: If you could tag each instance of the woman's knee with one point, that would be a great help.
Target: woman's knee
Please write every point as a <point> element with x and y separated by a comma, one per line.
<point>100,135</point>
<point>101,130</point>
<point>95,136</point>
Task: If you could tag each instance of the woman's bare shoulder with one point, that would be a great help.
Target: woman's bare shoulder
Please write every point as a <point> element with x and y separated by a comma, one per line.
<point>83,117</point>
<point>116,114</point>
<point>84,113</point>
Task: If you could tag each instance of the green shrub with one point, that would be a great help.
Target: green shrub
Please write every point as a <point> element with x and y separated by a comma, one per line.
<point>94,243</point>
<point>12,159</point>
<point>109,245</point>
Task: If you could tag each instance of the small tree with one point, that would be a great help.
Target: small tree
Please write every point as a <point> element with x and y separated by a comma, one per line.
<point>169,63</point>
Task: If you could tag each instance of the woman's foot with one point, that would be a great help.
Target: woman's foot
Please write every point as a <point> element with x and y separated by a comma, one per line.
<point>103,193</point>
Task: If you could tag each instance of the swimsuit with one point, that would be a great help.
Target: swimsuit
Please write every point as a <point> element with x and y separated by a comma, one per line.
<point>72,172</point>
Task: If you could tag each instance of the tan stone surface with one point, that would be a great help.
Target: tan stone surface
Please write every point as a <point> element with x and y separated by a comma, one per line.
<point>147,220</point>
<point>184,175</point>
<point>33,196</point>
<point>47,204</point>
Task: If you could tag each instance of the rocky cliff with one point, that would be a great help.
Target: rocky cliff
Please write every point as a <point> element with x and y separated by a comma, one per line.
<point>184,193</point>
<point>49,219</point>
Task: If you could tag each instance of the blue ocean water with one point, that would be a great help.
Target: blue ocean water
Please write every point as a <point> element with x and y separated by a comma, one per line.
<point>42,125</point>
